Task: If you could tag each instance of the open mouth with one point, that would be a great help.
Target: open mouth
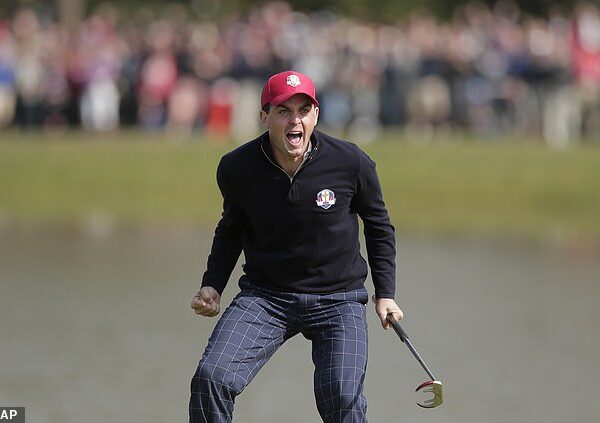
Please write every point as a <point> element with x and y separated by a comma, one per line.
<point>294,137</point>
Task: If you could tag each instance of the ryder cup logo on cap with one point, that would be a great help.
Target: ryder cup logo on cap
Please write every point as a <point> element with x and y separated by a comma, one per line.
<point>282,86</point>
<point>293,80</point>
<point>325,198</point>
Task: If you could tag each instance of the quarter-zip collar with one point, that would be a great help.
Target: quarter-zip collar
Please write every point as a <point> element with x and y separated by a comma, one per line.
<point>267,150</point>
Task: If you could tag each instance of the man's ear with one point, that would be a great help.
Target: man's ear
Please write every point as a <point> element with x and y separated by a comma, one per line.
<point>317,113</point>
<point>263,119</point>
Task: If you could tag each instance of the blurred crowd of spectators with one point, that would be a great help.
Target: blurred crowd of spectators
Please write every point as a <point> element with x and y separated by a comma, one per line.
<point>487,70</point>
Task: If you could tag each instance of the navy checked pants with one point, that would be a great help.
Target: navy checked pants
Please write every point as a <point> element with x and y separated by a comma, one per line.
<point>257,323</point>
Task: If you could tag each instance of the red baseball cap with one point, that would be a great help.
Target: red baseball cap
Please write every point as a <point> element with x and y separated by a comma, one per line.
<point>282,86</point>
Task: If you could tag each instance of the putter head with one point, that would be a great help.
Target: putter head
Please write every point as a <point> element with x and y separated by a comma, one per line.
<point>434,387</point>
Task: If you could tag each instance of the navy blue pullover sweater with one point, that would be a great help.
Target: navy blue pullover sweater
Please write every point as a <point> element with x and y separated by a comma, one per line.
<point>294,239</point>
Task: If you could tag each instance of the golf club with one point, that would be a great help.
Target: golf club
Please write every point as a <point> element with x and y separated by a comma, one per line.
<point>433,386</point>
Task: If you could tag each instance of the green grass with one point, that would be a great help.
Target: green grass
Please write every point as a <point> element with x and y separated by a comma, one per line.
<point>493,188</point>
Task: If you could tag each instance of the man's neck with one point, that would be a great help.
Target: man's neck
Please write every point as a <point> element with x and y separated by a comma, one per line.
<point>290,165</point>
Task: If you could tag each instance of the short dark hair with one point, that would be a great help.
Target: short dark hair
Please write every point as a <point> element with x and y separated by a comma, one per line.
<point>266,108</point>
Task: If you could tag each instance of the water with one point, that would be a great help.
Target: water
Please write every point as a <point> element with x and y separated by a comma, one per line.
<point>96,329</point>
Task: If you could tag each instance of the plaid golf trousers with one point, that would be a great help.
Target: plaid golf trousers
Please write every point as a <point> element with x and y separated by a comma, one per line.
<point>257,323</point>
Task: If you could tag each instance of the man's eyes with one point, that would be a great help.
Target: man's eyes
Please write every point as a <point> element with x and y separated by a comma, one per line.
<point>303,111</point>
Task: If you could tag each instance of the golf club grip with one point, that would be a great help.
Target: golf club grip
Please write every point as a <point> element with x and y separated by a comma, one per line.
<point>399,330</point>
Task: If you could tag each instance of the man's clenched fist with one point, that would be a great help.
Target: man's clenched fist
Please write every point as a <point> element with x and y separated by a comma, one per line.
<point>207,302</point>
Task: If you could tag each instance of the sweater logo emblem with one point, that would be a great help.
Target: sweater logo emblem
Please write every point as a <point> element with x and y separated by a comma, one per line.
<point>325,198</point>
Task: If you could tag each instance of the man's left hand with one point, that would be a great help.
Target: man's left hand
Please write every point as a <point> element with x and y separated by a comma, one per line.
<point>385,306</point>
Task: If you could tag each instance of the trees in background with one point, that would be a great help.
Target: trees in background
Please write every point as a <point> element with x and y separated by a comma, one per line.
<point>380,10</point>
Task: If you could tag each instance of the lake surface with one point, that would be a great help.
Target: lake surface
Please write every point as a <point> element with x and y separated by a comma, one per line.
<point>98,328</point>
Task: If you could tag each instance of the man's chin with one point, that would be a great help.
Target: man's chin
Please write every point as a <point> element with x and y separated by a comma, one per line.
<point>296,150</point>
